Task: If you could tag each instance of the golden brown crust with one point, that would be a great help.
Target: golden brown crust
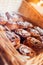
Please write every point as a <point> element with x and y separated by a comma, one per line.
<point>33,43</point>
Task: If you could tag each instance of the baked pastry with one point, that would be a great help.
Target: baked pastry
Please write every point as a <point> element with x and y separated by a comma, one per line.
<point>39,30</point>
<point>41,37</point>
<point>22,33</point>
<point>33,43</point>
<point>24,24</point>
<point>27,51</point>
<point>12,25</point>
<point>15,39</point>
<point>13,17</point>
<point>34,33</point>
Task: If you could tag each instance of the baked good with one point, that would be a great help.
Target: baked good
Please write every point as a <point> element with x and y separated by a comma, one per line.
<point>27,51</point>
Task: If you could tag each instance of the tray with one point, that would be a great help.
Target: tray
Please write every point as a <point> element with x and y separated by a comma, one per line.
<point>28,11</point>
